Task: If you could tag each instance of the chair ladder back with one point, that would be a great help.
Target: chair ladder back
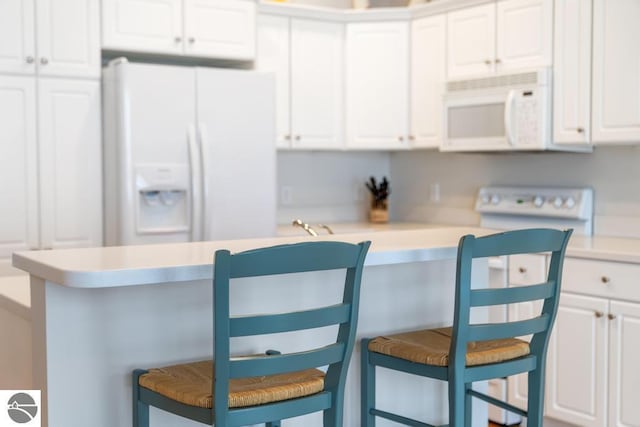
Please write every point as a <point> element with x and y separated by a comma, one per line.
<point>508,243</point>
<point>284,259</point>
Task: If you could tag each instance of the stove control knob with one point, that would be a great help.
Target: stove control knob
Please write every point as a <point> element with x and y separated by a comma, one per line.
<point>538,201</point>
<point>557,202</point>
<point>569,203</point>
<point>485,199</point>
<point>495,199</point>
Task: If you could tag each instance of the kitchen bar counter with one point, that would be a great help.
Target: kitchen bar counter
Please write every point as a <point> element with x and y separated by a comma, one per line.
<point>99,313</point>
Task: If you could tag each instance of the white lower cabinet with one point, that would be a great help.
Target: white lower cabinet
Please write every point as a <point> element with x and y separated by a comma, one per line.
<point>50,167</point>
<point>593,378</point>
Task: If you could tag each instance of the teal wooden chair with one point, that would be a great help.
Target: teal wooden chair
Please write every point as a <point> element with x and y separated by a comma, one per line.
<point>466,353</point>
<point>239,391</point>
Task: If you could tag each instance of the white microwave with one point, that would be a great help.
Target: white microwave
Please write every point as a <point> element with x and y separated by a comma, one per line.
<point>505,112</point>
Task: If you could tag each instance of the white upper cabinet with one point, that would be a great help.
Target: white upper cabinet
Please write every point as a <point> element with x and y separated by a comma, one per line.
<point>17,36</point>
<point>572,72</point>
<point>524,34</point>
<point>67,42</point>
<point>70,163</point>
<point>307,57</point>
<point>142,25</point>
<point>471,41</point>
<point>220,28</point>
<point>500,37</point>
<point>616,71</point>
<point>208,28</point>
<point>428,76</point>
<point>377,85</point>
<point>18,165</point>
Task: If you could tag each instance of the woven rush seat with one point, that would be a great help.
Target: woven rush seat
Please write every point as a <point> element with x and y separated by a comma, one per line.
<point>431,347</point>
<point>190,384</point>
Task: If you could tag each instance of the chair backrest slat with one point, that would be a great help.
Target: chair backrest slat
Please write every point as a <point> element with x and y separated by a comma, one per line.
<point>276,364</point>
<point>527,241</point>
<point>495,331</point>
<point>484,297</point>
<point>299,258</point>
<point>286,322</point>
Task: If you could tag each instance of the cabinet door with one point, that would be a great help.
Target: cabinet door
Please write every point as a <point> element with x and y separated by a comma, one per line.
<point>17,42</point>
<point>471,41</point>
<point>377,85</point>
<point>70,163</point>
<point>616,71</point>
<point>68,38</point>
<point>316,84</point>
<point>524,34</point>
<point>572,72</point>
<point>428,75</point>
<point>18,165</point>
<point>220,28</point>
<point>524,270</point>
<point>273,56</point>
<point>577,362</point>
<point>142,25</point>
<point>624,370</point>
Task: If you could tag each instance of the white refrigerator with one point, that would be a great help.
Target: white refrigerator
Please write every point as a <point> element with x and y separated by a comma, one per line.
<point>189,153</point>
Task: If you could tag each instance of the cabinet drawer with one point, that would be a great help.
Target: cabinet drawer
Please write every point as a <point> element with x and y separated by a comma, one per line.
<point>526,269</point>
<point>602,278</point>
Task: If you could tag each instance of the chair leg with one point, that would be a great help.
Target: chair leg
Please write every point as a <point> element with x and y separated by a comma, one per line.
<point>367,386</point>
<point>535,408</point>
<point>468,410</point>
<point>140,409</point>
<point>457,402</point>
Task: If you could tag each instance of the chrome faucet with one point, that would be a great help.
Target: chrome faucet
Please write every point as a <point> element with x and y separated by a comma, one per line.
<point>304,226</point>
<point>326,227</point>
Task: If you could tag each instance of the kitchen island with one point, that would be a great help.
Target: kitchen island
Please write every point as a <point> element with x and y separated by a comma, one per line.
<point>98,313</point>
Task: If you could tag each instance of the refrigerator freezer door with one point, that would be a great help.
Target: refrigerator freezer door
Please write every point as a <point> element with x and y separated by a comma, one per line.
<point>148,111</point>
<point>236,120</point>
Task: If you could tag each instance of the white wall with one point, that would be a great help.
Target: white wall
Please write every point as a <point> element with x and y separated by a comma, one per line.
<point>327,186</point>
<point>613,173</point>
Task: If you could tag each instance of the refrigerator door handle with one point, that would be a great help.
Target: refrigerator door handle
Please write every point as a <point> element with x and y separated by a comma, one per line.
<point>196,184</point>
<point>206,181</point>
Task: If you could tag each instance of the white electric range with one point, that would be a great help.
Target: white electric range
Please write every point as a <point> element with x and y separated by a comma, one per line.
<point>508,208</point>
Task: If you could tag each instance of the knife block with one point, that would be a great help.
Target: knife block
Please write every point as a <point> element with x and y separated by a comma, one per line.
<point>379,215</point>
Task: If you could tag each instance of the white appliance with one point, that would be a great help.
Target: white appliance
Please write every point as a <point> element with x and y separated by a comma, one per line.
<point>507,112</point>
<point>189,153</point>
<point>508,208</point>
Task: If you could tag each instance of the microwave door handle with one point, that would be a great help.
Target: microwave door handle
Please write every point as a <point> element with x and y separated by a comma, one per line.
<point>508,116</point>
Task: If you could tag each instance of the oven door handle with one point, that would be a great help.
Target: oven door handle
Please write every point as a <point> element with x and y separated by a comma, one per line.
<point>509,116</point>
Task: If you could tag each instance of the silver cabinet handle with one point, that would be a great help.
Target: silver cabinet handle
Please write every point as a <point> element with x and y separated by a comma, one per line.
<point>44,61</point>
<point>522,270</point>
<point>30,59</point>
<point>412,138</point>
<point>611,316</point>
<point>605,279</point>
<point>177,39</point>
<point>498,61</point>
<point>192,40</point>
<point>287,137</point>
<point>401,138</point>
<point>297,138</point>
<point>580,130</point>
<point>598,314</point>
<point>488,61</point>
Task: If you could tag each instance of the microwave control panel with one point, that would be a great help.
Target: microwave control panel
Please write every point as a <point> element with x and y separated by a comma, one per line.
<point>527,131</point>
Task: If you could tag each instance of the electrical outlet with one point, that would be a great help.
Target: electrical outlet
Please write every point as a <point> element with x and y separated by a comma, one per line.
<point>286,195</point>
<point>434,192</point>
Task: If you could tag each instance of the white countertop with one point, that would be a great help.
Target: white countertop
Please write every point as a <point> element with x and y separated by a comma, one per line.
<point>137,265</point>
<point>391,244</point>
